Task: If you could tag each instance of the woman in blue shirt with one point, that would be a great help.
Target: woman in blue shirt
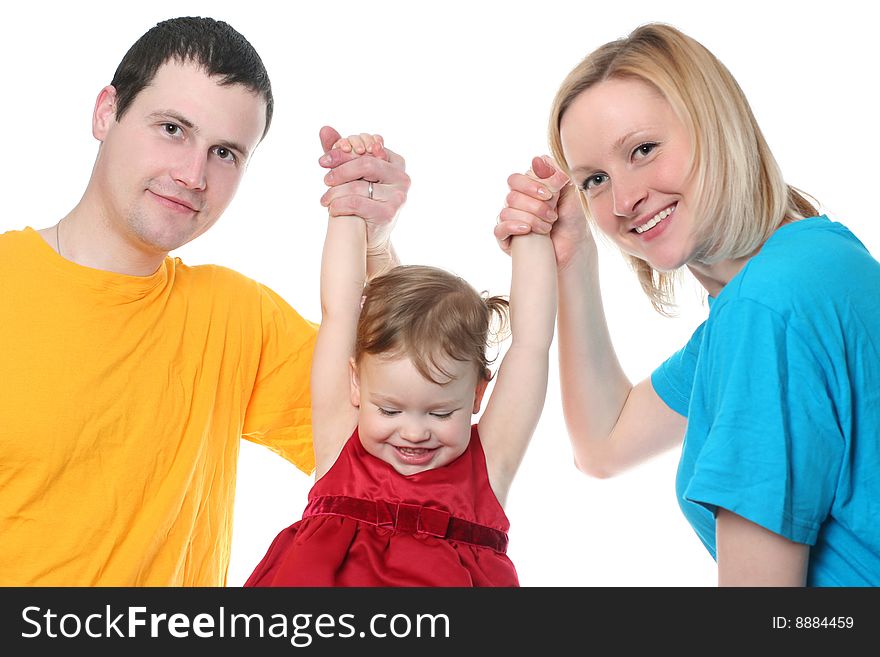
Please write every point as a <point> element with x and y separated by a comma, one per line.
<point>775,399</point>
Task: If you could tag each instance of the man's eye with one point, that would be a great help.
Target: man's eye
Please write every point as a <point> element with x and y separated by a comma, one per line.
<point>225,154</point>
<point>171,128</point>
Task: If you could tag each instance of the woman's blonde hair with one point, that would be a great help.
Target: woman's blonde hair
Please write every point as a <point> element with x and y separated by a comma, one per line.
<point>428,315</point>
<point>741,197</point>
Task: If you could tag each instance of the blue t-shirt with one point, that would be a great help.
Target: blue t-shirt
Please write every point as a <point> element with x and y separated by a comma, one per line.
<point>781,389</point>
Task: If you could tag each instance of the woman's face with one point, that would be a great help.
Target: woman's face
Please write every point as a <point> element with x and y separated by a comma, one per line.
<point>630,154</point>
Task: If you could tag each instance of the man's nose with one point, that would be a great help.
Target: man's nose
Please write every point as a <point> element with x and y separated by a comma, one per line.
<point>189,171</point>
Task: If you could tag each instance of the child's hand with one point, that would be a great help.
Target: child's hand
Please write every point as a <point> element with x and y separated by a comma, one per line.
<point>345,149</point>
<point>373,188</point>
<point>362,144</point>
<point>543,200</point>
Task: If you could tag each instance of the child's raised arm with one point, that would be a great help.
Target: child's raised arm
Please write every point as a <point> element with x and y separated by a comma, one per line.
<point>343,273</point>
<point>510,417</point>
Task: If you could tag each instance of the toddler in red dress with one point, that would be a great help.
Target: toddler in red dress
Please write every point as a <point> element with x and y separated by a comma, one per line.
<point>408,492</point>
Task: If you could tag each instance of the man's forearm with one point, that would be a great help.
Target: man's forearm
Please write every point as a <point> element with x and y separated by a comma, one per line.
<point>381,260</point>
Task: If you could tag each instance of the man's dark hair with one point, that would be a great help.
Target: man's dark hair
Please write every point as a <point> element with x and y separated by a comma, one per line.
<point>214,45</point>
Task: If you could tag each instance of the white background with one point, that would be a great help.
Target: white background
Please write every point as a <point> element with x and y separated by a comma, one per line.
<point>462,89</point>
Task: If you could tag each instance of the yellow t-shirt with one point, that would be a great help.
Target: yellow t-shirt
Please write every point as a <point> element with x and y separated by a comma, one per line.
<point>122,402</point>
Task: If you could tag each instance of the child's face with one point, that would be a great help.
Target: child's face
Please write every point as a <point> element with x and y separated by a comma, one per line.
<point>408,421</point>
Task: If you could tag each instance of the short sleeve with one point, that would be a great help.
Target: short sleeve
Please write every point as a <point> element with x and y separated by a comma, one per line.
<point>774,449</point>
<point>674,379</point>
<point>279,411</point>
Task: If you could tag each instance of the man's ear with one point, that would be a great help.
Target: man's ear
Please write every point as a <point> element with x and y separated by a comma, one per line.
<point>481,390</point>
<point>355,383</point>
<point>104,115</point>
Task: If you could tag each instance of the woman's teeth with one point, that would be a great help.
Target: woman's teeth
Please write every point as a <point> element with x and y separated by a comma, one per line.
<point>656,219</point>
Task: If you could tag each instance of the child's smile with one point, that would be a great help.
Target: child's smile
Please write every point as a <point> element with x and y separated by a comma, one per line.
<point>409,422</point>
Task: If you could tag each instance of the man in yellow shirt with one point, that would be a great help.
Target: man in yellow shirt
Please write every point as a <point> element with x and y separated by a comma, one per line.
<point>130,378</point>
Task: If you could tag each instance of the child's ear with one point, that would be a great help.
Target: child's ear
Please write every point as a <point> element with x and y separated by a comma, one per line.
<point>355,383</point>
<point>481,390</point>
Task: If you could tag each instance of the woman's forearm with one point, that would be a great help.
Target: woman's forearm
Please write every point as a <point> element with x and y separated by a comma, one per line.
<point>594,385</point>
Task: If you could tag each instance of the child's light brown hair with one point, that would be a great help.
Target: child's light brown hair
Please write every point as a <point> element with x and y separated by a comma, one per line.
<point>427,315</point>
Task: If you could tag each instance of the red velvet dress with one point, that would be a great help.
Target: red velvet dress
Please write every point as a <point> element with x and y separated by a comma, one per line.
<point>367,525</point>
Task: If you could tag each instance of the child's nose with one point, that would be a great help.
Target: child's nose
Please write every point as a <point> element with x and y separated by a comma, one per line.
<point>415,431</point>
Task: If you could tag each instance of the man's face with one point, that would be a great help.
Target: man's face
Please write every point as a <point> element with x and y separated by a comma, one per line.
<point>169,167</point>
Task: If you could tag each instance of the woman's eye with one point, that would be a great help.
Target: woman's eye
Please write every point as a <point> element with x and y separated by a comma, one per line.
<point>171,128</point>
<point>644,150</point>
<point>594,181</point>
